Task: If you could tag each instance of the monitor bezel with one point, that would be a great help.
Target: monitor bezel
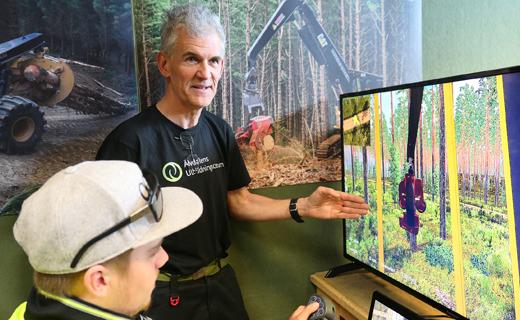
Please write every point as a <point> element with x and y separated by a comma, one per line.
<point>480,74</point>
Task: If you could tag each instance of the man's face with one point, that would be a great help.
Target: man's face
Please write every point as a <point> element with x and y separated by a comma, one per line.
<point>192,70</point>
<point>135,286</point>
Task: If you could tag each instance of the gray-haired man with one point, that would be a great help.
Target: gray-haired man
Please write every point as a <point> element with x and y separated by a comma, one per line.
<point>185,145</point>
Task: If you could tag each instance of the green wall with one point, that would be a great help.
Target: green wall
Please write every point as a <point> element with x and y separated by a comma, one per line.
<point>274,260</point>
<point>15,271</point>
<point>464,36</point>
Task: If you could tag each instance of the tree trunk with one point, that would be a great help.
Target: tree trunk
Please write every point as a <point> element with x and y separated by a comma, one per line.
<point>303,106</point>
<point>365,173</point>
<point>248,45</point>
<point>461,159</point>
<point>229,106</point>
<point>342,29</point>
<point>433,145</point>
<point>442,166</point>
<point>383,44</point>
<point>487,143</point>
<point>413,241</point>
<point>350,35</point>
<point>382,148</point>
<point>357,35</point>
<point>315,103</point>
<point>279,98</point>
<point>392,116</point>
<point>421,153</point>
<point>497,172</point>
<point>148,93</point>
<point>323,108</point>
<point>352,163</point>
<point>290,111</point>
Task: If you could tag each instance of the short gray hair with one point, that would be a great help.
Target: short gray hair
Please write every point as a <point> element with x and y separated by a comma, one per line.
<point>196,20</point>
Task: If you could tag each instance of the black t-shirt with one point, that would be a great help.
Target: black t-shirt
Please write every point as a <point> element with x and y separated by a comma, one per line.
<point>204,159</point>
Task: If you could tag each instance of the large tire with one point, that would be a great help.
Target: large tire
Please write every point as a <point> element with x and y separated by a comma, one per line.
<point>21,125</point>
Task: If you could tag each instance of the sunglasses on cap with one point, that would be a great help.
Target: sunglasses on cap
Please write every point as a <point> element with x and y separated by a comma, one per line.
<point>151,193</point>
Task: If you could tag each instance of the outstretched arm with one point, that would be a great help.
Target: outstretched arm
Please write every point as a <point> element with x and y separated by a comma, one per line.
<point>323,203</point>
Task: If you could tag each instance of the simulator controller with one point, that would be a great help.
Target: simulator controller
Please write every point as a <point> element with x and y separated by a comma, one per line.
<point>325,311</point>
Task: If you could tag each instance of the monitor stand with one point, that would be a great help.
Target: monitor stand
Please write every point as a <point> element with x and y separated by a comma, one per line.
<point>337,270</point>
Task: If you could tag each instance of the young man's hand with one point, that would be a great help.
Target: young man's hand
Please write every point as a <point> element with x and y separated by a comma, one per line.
<point>303,312</point>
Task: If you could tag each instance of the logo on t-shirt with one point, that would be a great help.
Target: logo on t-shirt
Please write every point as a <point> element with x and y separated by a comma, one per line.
<point>172,171</point>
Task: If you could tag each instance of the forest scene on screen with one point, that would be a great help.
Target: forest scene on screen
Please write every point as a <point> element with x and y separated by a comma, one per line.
<point>286,63</point>
<point>418,236</point>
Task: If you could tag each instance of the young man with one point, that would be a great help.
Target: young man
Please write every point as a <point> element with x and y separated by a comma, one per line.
<point>185,145</point>
<point>93,235</point>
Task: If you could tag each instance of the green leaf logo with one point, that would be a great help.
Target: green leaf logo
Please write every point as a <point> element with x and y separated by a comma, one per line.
<point>172,172</point>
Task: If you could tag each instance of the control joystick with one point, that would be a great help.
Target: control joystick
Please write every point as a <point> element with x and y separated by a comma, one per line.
<point>325,311</point>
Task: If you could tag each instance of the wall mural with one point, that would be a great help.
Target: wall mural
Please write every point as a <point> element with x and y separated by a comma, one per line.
<point>286,64</point>
<point>67,78</point>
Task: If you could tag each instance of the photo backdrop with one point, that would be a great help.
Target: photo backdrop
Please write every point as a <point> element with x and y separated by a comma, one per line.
<point>380,38</point>
<point>93,38</point>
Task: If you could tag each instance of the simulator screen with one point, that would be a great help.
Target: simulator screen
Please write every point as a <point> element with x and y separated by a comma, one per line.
<point>436,162</point>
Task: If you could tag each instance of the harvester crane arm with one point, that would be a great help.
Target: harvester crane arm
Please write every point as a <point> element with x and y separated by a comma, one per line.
<point>315,39</point>
<point>321,47</point>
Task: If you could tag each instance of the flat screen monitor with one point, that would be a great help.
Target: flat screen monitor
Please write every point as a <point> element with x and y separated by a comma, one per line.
<point>439,164</point>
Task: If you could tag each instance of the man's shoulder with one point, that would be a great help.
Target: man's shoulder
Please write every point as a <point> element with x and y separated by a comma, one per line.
<point>215,120</point>
<point>138,123</point>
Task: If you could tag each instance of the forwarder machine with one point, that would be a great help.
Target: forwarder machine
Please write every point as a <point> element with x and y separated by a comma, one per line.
<point>257,133</point>
<point>37,81</point>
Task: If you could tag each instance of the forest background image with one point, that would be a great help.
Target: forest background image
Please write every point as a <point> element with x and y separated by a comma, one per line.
<point>378,37</point>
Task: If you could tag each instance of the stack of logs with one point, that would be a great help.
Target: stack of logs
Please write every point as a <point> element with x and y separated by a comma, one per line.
<point>90,96</point>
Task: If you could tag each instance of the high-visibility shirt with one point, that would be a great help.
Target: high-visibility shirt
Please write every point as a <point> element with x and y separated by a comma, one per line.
<point>50,307</point>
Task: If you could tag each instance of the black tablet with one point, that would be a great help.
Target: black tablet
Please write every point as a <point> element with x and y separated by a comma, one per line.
<point>384,308</point>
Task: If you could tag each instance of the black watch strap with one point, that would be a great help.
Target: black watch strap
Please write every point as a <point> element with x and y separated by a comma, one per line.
<point>294,211</point>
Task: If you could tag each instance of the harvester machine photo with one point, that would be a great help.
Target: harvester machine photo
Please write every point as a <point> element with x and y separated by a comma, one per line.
<point>321,47</point>
<point>32,80</point>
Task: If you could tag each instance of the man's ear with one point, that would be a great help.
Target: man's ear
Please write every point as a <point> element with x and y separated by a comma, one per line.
<point>162,64</point>
<point>97,280</point>
<point>222,67</point>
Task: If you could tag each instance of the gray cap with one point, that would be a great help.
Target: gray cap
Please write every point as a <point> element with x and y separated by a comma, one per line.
<point>82,201</point>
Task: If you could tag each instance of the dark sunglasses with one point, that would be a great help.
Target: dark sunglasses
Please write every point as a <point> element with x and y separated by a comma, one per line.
<point>151,192</point>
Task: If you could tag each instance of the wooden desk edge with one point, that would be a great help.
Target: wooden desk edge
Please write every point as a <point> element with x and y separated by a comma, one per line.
<point>339,298</point>
<point>353,292</point>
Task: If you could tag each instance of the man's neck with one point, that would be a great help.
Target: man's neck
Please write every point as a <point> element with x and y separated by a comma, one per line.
<point>183,118</point>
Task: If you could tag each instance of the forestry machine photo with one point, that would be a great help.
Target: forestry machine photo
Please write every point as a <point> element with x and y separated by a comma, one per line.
<point>257,132</point>
<point>32,80</point>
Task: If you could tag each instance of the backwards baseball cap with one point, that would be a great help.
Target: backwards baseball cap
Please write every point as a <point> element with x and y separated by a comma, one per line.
<point>81,202</point>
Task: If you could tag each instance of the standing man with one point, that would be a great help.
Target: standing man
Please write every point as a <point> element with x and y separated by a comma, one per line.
<point>184,144</point>
<point>93,235</point>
